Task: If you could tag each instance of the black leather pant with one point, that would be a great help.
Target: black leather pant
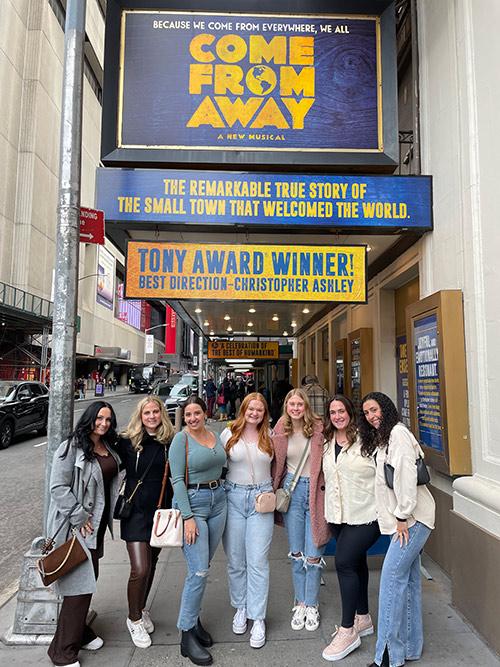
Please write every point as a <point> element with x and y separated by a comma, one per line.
<point>143,559</point>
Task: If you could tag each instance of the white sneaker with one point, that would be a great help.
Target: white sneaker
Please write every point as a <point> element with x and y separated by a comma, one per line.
<point>299,617</point>
<point>148,623</point>
<point>240,622</point>
<point>258,634</point>
<point>74,664</point>
<point>139,633</point>
<point>94,645</point>
<point>312,618</point>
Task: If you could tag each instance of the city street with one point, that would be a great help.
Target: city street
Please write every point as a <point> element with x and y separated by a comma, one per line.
<point>22,491</point>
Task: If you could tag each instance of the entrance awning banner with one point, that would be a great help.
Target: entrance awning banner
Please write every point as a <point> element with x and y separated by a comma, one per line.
<point>246,272</point>
<point>235,349</point>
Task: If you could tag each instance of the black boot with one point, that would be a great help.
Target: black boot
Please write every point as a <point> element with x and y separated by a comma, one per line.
<point>385,660</point>
<point>204,637</point>
<point>191,648</point>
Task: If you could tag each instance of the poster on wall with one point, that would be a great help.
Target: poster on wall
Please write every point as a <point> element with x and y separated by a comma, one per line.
<point>239,82</point>
<point>105,278</point>
<point>403,392</point>
<point>158,270</point>
<point>428,381</point>
<point>356,371</point>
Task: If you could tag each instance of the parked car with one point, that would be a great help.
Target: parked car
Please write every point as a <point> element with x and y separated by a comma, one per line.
<point>178,396</point>
<point>24,407</point>
<point>162,388</point>
<point>190,379</point>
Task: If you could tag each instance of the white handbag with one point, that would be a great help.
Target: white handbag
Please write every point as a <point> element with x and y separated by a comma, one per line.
<point>168,529</point>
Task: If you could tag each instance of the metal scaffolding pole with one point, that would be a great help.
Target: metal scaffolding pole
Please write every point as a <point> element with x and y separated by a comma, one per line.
<point>38,607</point>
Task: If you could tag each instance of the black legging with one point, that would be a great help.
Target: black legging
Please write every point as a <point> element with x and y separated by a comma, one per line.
<point>143,559</point>
<point>352,570</point>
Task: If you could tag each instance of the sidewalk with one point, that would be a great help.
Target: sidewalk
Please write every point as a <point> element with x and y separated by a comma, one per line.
<point>449,641</point>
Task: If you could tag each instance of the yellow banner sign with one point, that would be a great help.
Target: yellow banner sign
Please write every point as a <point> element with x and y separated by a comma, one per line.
<point>235,349</point>
<point>244,272</point>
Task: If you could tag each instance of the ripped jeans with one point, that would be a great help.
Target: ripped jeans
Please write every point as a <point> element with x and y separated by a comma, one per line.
<point>306,557</point>
<point>209,509</point>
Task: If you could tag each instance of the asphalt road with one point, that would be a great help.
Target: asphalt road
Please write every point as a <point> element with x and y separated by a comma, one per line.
<point>22,492</point>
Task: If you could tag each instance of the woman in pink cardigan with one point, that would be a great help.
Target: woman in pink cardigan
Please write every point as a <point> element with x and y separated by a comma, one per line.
<point>299,430</point>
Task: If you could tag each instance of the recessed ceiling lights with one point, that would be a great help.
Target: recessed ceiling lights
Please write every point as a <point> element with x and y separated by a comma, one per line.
<point>293,323</point>
<point>285,333</point>
<point>227,318</point>
<point>275,318</point>
<point>206,323</point>
<point>249,333</point>
<point>368,248</point>
<point>305,310</point>
<point>197,310</point>
<point>251,310</point>
<point>230,328</point>
<point>212,333</point>
<point>250,324</point>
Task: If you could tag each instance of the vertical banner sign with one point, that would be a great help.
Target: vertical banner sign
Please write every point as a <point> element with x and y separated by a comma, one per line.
<point>245,82</point>
<point>356,372</point>
<point>150,344</point>
<point>428,384</point>
<point>105,278</point>
<point>403,393</point>
<point>170,331</point>
<point>244,272</point>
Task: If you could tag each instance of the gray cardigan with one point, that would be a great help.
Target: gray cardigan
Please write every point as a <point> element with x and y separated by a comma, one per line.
<point>76,480</point>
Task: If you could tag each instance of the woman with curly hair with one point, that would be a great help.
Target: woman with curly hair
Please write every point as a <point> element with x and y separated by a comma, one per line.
<point>248,533</point>
<point>350,511</point>
<point>143,448</point>
<point>83,490</point>
<point>298,436</point>
<point>406,512</point>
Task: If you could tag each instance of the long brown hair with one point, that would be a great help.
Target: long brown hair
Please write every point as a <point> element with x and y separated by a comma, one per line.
<point>310,417</point>
<point>351,430</point>
<point>237,427</point>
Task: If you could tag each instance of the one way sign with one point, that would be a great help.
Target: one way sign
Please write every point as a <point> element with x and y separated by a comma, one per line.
<point>91,226</point>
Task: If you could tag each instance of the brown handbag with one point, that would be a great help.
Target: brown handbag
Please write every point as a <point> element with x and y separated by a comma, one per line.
<point>55,564</point>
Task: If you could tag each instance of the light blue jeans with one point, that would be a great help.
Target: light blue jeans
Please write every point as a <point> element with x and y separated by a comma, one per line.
<point>209,509</point>
<point>400,625</point>
<point>306,574</point>
<point>247,540</point>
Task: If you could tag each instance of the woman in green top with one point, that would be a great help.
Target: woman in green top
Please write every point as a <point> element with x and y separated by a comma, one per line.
<point>202,502</point>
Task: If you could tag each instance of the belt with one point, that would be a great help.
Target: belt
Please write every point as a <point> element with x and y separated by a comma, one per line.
<point>206,485</point>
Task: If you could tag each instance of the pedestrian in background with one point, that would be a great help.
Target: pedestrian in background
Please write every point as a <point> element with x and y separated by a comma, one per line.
<point>143,449</point>
<point>350,510</point>
<point>83,487</point>
<point>317,395</point>
<point>210,393</point>
<point>248,533</point>
<point>196,459</point>
<point>298,433</point>
<point>406,513</point>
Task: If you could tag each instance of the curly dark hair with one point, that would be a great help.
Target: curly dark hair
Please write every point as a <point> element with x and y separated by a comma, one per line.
<point>352,429</point>
<point>371,437</point>
<point>80,437</point>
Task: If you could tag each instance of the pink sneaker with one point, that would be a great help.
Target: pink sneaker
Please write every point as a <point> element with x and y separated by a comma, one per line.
<point>363,624</point>
<point>345,641</point>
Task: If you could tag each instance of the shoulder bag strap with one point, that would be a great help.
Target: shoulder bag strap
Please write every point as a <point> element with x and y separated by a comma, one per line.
<point>302,462</point>
<point>163,482</point>
<point>252,471</point>
<point>186,474</point>
<point>129,499</point>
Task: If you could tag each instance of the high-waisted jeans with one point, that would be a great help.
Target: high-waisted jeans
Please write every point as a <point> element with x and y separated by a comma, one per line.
<point>209,509</point>
<point>400,625</point>
<point>304,554</point>
<point>247,540</point>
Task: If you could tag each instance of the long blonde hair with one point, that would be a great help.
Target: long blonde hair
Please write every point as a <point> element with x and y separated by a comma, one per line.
<point>135,430</point>
<point>310,417</point>
<point>237,427</point>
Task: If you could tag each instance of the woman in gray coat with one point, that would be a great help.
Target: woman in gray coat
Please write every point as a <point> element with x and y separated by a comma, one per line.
<point>84,487</point>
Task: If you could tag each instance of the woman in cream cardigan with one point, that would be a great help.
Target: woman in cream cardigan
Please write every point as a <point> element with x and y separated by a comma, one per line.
<point>405,512</point>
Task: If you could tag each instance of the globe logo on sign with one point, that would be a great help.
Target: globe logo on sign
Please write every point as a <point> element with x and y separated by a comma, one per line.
<point>261,80</point>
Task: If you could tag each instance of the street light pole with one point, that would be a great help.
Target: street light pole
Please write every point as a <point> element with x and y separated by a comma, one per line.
<point>158,326</point>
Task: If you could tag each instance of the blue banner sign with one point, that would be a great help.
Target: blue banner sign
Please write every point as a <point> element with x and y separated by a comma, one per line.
<point>427,382</point>
<point>227,198</point>
<point>250,81</point>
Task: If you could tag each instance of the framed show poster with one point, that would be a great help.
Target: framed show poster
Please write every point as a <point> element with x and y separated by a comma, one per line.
<point>437,381</point>
<point>359,364</point>
<point>340,366</point>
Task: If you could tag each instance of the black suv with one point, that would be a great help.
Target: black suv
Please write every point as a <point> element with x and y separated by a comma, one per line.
<point>24,407</point>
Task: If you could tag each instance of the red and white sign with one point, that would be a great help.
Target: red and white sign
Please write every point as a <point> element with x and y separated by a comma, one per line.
<point>170,330</point>
<point>91,226</point>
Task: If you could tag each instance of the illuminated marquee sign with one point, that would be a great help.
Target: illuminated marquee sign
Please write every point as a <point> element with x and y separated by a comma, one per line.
<point>159,195</point>
<point>234,349</point>
<point>241,81</point>
<point>246,272</point>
